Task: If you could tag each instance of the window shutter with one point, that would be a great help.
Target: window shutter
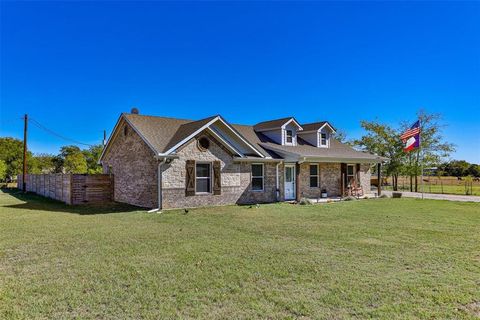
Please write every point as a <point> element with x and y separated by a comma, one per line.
<point>217,178</point>
<point>190,178</point>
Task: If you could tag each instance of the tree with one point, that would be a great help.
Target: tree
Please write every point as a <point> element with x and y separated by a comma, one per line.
<point>11,152</point>
<point>92,155</point>
<point>3,170</point>
<point>474,170</point>
<point>341,136</point>
<point>42,163</point>
<point>383,140</point>
<point>456,168</point>
<point>432,147</point>
<point>75,163</point>
<point>59,160</point>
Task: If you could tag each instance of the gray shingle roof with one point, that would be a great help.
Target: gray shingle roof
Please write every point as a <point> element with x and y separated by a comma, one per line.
<point>314,125</point>
<point>337,150</point>
<point>272,124</point>
<point>163,133</point>
<point>158,131</point>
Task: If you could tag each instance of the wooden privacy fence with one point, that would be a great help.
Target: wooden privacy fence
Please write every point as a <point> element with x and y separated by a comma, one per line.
<point>71,188</point>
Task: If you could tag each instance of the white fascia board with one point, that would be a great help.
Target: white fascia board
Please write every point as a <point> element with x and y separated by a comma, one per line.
<point>228,145</point>
<point>208,124</point>
<point>189,137</point>
<point>294,121</point>
<point>241,138</point>
<point>327,124</point>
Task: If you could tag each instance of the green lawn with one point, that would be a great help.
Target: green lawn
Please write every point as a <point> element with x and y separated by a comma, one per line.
<point>377,258</point>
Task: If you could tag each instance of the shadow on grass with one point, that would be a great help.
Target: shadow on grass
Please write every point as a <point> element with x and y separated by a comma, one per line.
<point>33,201</point>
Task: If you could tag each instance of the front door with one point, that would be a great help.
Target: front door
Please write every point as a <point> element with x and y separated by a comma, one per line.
<point>289,182</point>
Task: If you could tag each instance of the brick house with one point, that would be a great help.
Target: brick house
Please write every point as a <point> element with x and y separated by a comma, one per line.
<point>160,162</point>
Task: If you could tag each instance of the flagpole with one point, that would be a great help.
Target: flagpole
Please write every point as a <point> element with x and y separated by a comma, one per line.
<point>421,150</point>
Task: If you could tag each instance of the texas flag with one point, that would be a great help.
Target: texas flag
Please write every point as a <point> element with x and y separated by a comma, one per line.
<point>411,137</point>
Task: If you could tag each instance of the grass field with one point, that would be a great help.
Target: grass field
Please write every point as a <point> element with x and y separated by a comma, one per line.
<point>446,185</point>
<point>377,258</point>
<point>446,189</point>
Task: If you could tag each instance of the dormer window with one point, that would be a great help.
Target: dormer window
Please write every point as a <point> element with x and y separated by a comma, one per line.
<point>324,139</point>
<point>317,134</point>
<point>289,136</point>
<point>282,131</point>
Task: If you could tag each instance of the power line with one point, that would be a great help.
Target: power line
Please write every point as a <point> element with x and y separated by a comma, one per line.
<point>35,122</point>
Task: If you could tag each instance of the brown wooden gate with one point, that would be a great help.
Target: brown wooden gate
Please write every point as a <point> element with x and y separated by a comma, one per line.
<point>96,188</point>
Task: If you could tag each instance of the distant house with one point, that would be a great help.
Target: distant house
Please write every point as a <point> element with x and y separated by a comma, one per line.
<point>160,162</point>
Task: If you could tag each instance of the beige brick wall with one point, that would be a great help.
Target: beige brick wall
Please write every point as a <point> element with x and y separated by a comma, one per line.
<point>134,168</point>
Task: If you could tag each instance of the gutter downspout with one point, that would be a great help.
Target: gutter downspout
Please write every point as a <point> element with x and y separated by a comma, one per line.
<point>159,186</point>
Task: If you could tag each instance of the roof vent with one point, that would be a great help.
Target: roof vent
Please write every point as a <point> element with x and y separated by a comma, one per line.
<point>134,111</point>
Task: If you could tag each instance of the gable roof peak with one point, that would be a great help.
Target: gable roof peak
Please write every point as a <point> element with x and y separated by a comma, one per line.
<point>275,124</point>
<point>314,126</point>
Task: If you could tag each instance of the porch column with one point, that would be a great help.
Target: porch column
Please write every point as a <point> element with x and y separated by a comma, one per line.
<point>379,177</point>
<point>297,182</point>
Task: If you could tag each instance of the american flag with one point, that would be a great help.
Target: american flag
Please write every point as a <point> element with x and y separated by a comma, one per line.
<point>414,130</point>
<point>411,137</point>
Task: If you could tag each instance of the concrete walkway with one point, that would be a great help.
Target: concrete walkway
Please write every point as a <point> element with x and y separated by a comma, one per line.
<point>436,196</point>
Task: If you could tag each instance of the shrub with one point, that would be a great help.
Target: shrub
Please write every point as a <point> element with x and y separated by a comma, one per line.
<point>305,202</point>
<point>349,198</point>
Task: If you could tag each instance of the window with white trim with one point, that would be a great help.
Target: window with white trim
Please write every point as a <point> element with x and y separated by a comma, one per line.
<point>257,176</point>
<point>289,136</point>
<point>203,180</point>
<point>314,176</point>
<point>324,139</point>
<point>350,174</point>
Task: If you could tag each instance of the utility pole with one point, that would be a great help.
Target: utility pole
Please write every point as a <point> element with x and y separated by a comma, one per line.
<point>24,175</point>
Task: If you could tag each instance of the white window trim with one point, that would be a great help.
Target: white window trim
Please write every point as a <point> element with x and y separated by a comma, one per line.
<point>196,177</point>
<point>317,175</point>
<point>353,171</point>
<point>252,176</point>
<point>320,145</point>
<point>286,137</point>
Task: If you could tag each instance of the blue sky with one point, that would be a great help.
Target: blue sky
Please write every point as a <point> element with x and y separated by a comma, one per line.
<point>75,66</point>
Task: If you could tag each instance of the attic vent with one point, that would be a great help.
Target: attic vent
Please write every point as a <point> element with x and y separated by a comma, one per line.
<point>203,143</point>
<point>134,111</point>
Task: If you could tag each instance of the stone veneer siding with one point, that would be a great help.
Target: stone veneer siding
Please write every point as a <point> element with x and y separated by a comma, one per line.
<point>235,179</point>
<point>365,176</point>
<point>134,169</point>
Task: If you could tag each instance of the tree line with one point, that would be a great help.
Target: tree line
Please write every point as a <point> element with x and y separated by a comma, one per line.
<point>384,140</point>
<point>70,159</point>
